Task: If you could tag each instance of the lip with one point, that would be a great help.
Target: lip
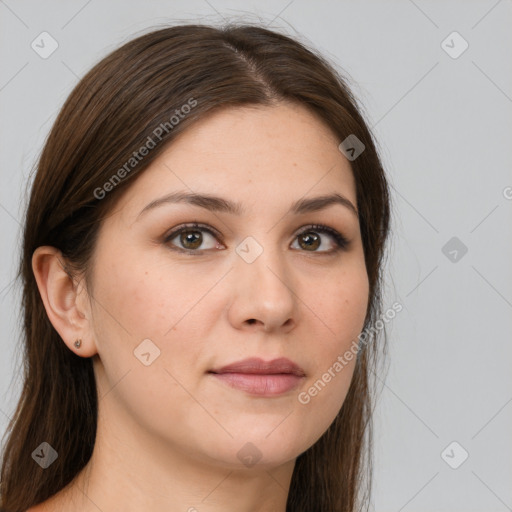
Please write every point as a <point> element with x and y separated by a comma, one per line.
<point>259,377</point>
<point>255,365</point>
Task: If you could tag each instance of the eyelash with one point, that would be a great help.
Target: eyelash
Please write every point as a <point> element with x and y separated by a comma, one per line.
<point>340,240</point>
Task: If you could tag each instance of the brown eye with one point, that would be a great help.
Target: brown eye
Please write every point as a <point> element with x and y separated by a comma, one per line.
<point>192,239</point>
<point>309,240</point>
<point>312,239</point>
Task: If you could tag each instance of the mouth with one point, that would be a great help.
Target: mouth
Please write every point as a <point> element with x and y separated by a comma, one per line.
<point>263,378</point>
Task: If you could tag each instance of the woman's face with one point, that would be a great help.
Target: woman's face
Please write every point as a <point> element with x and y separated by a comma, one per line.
<point>169,309</point>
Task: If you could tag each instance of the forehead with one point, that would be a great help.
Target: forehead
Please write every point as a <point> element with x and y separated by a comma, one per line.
<point>250,154</point>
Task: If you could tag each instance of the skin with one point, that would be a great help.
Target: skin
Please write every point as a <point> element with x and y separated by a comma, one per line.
<point>169,433</point>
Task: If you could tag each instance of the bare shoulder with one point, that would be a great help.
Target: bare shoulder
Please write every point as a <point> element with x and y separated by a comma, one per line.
<point>62,501</point>
<point>40,508</point>
<point>46,506</point>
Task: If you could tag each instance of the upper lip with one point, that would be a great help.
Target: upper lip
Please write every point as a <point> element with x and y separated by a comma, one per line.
<point>259,366</point>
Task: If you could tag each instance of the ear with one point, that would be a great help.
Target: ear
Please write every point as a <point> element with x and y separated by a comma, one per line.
<point>65,300</point>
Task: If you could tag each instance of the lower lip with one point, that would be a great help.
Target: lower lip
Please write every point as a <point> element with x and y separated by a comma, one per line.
<point>259,384</point>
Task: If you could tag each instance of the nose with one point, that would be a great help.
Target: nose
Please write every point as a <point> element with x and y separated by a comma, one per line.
<point>262,294</point>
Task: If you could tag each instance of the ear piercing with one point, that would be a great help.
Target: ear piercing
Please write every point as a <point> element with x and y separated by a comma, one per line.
<point>78,343</point>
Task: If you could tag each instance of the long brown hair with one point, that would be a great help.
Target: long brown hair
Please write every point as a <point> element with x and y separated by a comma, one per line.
<point>112,113</point>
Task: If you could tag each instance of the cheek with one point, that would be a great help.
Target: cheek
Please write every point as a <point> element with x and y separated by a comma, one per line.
<point>143,300</point>
<point>143,297</point>
<point>137,301</point>
<point>340,306</point>
<point>341,311</point>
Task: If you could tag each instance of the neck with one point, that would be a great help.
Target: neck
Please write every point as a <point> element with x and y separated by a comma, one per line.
<point>131,471</point>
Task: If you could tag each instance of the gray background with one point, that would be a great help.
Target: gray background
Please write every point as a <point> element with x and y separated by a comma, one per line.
<point>445,129</point>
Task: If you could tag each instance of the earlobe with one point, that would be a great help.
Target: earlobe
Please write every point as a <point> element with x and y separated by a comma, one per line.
<point>60,293</point>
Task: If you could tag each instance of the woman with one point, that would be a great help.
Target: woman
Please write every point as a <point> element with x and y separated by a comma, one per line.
<point>201,267</point>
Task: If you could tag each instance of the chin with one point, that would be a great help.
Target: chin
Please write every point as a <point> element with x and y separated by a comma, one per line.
<point>255,451</point>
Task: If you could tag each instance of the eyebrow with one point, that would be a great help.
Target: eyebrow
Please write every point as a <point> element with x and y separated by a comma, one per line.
<point>219,204</point>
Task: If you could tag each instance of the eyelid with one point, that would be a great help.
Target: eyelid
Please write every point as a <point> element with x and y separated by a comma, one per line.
<point>190,226</point>
<point>341,240</point>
